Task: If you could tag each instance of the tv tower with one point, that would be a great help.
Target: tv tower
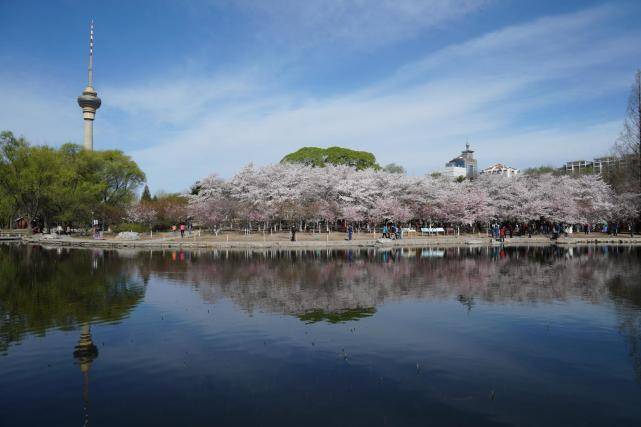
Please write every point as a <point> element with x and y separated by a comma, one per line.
<point>89,101</point>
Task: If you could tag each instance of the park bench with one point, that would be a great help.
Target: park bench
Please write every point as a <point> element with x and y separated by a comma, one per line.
<point>432,230</point>
<point>407,231</point>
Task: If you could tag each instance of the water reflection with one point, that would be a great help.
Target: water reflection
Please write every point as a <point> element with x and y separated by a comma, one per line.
<point>85,353</point>
<point>303,282</point>
<point>627,295</point>
<point>42,289</point>
<point>457,336</point>
<point>341,286</point>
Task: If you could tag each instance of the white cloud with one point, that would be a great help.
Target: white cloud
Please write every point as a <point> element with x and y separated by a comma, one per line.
<point>359,24</point>
<point>180,100</point>
<point>549,146</point>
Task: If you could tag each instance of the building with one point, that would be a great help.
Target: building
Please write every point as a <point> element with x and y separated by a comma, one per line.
<point>578,166</point>
<point>21,223</point>
<point>500,169</point>
<point>463,165</point>
<point>89,101</point>
<point>597,166</point>
<point>601,164</point>
<point>454,172</point>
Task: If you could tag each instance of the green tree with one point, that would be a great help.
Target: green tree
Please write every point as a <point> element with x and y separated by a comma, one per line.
<point>394,168</point>
<point>541,170</point>
<point>314,156</point>
<point>146,194</point>
<point>10,151</point>
<point>7,210</point>
<point>77,189</point>
<point>121,177</point>
<point>64,185</point>
<point>28,174</point>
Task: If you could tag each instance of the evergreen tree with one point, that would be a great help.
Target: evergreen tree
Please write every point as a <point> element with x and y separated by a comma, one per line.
<point>146,195</point>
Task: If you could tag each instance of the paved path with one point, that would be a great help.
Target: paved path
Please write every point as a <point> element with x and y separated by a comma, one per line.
<point>321,243</point>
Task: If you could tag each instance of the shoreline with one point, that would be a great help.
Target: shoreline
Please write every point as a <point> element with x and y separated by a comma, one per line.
<point>433,241</point>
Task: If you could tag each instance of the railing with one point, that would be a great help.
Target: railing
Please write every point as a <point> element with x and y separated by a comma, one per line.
<point>12,234</point>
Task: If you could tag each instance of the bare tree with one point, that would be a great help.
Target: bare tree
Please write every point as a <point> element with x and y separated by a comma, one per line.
<point>629,143</point>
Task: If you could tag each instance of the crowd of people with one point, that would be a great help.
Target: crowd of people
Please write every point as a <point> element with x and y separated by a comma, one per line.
<point>392,231</point>
<point>555,230</point>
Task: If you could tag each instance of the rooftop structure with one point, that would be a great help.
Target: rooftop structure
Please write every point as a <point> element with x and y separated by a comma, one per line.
<point>89,101</point>
<point>466,161</point>
<point>500,169</point>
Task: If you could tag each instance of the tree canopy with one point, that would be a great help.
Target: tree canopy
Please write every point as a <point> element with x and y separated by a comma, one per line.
<point>64,185</point>
<point>394,168</point>
<point>296,193</point>
<point>320,157</point>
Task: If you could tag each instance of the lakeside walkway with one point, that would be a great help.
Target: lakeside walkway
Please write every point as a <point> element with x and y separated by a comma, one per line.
<point>324,241</point>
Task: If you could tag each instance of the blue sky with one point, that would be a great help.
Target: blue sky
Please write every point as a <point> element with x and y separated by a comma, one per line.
<point>195,87</point>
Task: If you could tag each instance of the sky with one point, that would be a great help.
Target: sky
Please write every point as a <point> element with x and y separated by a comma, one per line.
<point>190,87</point>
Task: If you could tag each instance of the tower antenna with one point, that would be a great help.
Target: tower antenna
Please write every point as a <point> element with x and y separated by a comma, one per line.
<point>90,70</point>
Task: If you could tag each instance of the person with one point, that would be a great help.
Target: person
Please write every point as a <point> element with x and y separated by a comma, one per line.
<point>182,230</point>
<point>350,231</point>
<point>393,230</point>
<point>293,229</point>
<point>385,236</point>
<point>509,227</point>
<point>630,229</point>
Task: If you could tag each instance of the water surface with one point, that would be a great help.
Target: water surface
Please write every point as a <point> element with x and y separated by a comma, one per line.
<point>469,336</point>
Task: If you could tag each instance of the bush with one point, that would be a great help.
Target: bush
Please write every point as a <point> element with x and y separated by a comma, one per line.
<point>126,226</point>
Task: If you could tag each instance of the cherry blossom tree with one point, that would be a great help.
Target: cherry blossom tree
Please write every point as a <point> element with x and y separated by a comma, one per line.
<point>293,194</point>
<point>142,213</point>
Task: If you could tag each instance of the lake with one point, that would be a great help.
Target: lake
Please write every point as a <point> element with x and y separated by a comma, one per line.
<point>454,336</point>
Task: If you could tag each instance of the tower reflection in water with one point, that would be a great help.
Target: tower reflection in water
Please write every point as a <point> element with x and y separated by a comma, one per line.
<point>85,353</point>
